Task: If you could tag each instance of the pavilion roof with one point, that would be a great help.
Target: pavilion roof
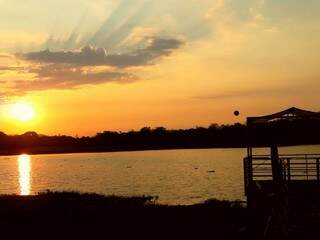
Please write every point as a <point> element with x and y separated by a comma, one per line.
<point>288,114</point>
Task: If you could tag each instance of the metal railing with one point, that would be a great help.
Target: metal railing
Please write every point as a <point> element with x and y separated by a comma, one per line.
<point>295,167</point>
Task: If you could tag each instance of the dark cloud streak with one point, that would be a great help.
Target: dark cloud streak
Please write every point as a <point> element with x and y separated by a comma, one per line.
<point>72,69</point>
<point>90,56</point>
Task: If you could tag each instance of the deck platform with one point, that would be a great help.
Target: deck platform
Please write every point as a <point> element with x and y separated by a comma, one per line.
<point>293,203</point>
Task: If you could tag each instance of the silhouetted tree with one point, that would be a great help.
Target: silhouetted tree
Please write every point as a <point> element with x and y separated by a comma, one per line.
<point>236,135</point>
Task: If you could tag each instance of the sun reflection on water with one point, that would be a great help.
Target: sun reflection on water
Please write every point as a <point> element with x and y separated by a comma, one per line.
<point>24,163</point>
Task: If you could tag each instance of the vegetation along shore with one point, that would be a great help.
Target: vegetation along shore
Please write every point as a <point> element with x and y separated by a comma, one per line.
<point>214,136</point>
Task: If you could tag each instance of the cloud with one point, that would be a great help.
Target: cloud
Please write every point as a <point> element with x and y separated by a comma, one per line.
<point>248,93</point>
<point>3,55</point>
<point>91,56</point>
<point>66,77</point>
<point>215,7</point>
<point>4,69</point>
<point>5,95</point>
<point>138,36</point>
<point>45,70</point>
<point>2,97</point>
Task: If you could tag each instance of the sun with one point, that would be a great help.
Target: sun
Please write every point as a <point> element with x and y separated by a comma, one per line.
<point>22,111</point>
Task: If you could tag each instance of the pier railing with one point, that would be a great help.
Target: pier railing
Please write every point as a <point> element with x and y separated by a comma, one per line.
<point>294,167</point>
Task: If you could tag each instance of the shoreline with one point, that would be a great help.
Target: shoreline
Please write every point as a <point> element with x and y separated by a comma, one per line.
<point>111,217</point>
<point>98,150</point>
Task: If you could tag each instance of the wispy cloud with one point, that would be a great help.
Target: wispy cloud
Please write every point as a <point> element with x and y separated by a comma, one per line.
<point>6,95</point>
<point>3,55</point>
<point>57,76</point>
<point>248,93</point>
<point>6,69</point>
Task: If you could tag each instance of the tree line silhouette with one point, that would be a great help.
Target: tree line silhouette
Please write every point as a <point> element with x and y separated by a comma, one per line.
<point>214,136</point>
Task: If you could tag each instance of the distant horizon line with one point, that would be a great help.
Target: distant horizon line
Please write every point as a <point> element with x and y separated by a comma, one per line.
<point>123,131</point>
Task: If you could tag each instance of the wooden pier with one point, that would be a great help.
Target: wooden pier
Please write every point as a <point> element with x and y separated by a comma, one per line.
<point>296,169</point>
<point>283,190</point>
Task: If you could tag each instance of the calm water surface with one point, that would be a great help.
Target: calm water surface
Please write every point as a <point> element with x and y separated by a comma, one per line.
<point>176,176</point>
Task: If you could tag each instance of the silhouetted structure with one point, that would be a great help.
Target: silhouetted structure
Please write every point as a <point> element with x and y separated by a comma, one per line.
<point>275,183</point>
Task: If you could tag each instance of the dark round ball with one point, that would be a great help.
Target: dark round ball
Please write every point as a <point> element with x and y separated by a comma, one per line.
<point>236,113</point>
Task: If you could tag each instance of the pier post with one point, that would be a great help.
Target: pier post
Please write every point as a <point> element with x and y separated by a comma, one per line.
<point>249,177</point>
<point>289,169</point>
<point>318,170</point>
<point>276,167</point>
<point>280,201</point>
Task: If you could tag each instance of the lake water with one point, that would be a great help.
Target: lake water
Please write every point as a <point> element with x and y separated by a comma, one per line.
<point>175,176</point>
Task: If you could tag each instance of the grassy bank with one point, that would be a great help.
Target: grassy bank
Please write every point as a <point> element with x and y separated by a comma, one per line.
<point>70,215</point>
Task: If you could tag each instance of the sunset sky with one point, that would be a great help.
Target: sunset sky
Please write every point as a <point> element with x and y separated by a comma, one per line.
<point>91,65</point>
